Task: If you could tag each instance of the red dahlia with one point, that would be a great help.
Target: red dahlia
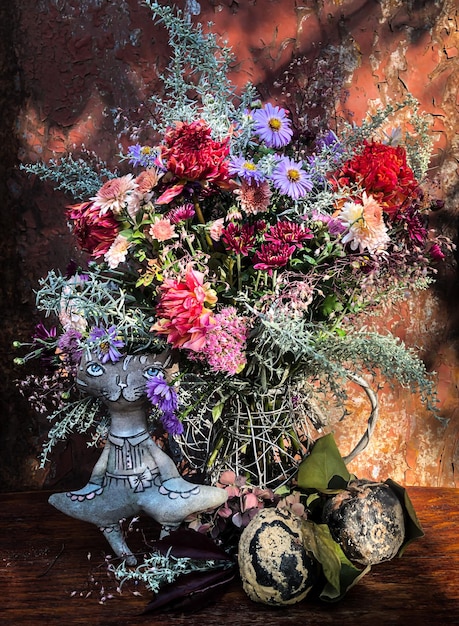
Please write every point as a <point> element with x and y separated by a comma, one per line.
<point>191,155</point>
<point>383,172</point>
<point>95,233</point>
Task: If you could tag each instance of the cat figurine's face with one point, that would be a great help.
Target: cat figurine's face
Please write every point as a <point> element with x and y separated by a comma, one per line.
<point>122,382</point>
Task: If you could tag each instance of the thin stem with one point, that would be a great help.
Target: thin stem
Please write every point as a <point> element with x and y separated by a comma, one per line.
<point>201,220</point>
<point>239,273</point>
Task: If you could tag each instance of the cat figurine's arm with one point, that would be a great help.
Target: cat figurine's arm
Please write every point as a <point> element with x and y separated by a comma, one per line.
<point>164,463</point>
<point>95,485</point>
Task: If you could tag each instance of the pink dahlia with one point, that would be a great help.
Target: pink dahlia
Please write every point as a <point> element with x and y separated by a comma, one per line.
<point>117,252</point>
<point>182,313</point>
<point>147,180</point>
<point>365,225</point>
<point>94,232</point>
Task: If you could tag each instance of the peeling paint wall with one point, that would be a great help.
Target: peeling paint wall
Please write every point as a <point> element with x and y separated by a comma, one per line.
<point>81,72</point>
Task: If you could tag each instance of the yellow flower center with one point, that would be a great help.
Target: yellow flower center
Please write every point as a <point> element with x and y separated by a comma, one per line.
<point>249,166</point>
<point>293,176</point>
<point>274,124</point>
<point>145,150</point>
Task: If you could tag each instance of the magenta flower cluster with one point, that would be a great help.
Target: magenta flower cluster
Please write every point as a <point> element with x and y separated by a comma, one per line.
<point>225,345</point>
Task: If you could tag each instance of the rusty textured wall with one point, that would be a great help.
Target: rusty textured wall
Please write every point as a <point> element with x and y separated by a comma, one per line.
<point>79,72</point>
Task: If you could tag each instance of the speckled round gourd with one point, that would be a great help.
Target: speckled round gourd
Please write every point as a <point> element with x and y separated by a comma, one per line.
<point>367,520</point>
<point>274,566</point>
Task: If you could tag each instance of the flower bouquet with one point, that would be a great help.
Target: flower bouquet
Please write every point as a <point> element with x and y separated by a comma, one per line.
<point>250,251</point>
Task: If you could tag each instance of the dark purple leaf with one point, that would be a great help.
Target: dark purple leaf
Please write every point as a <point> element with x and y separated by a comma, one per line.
<point>191,592</point>
<point>191,544</point>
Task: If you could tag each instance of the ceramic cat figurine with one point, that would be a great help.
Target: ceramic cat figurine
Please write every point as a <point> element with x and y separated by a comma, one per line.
<point>133,475</point>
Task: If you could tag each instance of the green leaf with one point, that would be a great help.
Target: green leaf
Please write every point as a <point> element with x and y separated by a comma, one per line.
<point>217,411</point>
<point>324,468</point>
<point>339,572</point>
<point>128,233</point>
<point>413,528</point>
<point>330,305</point>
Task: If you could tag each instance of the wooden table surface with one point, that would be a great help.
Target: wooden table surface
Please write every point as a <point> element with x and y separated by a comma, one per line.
<point>52,572</point>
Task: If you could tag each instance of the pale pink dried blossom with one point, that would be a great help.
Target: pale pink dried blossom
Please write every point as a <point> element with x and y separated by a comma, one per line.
<point>114,195</point>
<point>117,252</point>
<point>216,229</point>
<point>254,198</point>
<point>70,315</point>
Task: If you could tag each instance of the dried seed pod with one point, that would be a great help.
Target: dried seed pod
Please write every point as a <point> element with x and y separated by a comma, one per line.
<point>367,520</point>
<point>274,566</point>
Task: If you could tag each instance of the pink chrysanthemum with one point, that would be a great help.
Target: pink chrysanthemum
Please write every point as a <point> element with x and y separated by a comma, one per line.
<point>225,345</point>
<point>182,313</point>
<point>288,232</point>
<point>254,197</point>
<point>115,194</point>
<point>239,238</point>
<point>366,229</point>
<point>181,213</point>
<point>162,229</point>
<point>146,181</point>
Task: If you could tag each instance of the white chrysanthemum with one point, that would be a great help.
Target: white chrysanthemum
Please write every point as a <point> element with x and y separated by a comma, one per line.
<point>117,252</point>
<point>365,225</point>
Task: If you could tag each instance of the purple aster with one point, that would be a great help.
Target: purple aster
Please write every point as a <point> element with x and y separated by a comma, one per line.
<point>106,342</point>
<point>329,140</point>
<point>245,169</point>
<point>291,179</point>
<point>172,424</point>
<point>272,125</point>
<point>164,397</point>
<point>142,156</point>
<point>43,334</point>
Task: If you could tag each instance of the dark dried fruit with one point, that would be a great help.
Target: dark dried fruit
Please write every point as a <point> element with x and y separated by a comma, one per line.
<point>367,520</point>
<point>274,566</point>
